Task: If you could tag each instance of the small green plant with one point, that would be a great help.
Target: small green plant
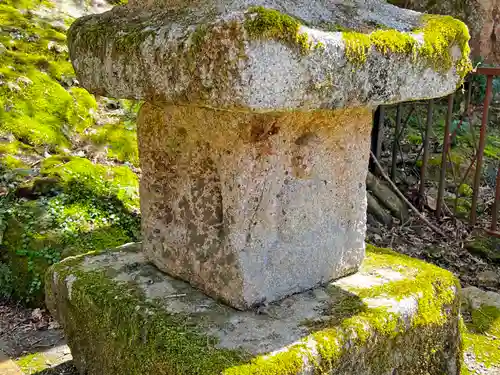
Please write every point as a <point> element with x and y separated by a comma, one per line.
<point>465,190</point>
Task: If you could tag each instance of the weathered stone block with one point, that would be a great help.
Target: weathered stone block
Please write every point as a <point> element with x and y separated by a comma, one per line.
<point>121,315</point>
<point>269,55</point>
<point>254,139</point>
<point>253,207</point>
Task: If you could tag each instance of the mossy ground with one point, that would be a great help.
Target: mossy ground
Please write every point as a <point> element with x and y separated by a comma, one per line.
<point>485,246</point>
<point>147,339</point>
<point>481,334</point>
<point>55,204</point>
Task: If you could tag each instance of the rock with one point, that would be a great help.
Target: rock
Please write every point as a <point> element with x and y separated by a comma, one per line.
<point>481,311</point>
<point>269,206</point>
<point>142,52</point>
<point>254,141</point>
<point>387,197</point>
<point>119,301</point>
<point>246,192</point>
<point>42,186</point>
<point>378,211</point>
<point>12,86</point>
<point>24,80</point>
<point>475,298</point>
<point>59,25</point>
<point>58,48</point>
<point>486,247</point>
<point>488,278</point>
<point>481,16</point>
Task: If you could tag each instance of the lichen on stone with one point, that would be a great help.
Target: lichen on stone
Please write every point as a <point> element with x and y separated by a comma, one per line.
<point>440,34</point>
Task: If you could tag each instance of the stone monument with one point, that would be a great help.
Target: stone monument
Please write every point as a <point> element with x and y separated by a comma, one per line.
<point>254,142</point>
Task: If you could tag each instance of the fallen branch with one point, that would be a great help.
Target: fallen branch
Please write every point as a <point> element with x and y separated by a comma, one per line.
<point>400,195</point>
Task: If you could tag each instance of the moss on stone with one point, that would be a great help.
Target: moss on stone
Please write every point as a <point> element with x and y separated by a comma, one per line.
<point>173,344</point>
<point>485,246</point>
<point>169,341</point>
<point>263,23</point>
<point>124,37</point>
<point>11,162</point>
<point>440,33</point>
<point>357,47</point>
<point>87,207</point>
<point>481,335</point>
<point>32,363</point>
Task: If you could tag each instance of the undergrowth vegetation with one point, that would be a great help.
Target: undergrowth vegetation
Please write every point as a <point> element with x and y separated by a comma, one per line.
<point>67,161</point>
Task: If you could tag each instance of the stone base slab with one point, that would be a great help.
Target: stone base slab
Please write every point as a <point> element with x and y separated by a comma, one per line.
<point>121,316</point>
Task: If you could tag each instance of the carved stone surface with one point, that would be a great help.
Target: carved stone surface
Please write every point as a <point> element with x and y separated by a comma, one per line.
<point>234,54</point>
<point>254,138</point>
<point>253,207</point>
<point>397,315</point>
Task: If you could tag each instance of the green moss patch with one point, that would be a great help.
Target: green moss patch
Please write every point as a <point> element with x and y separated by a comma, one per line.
<point>440,34</point>
<point>55,206</point>
<point>271,24</point>
<point>121,142</point>
<point>34,105</point>
<point>147,339</point>
<point>481,334</point>
<point>32,363</point>
<point>82,207</point>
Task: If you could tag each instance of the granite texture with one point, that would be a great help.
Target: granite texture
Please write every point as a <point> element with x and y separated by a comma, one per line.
<point>204,53</point>
<point>251,208</point>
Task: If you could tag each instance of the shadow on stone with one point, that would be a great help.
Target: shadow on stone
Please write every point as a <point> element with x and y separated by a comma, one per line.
<point>65,368</point>
<point>342,305</point>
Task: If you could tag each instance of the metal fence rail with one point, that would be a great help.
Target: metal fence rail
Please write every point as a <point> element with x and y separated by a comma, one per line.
<point>469,109</point>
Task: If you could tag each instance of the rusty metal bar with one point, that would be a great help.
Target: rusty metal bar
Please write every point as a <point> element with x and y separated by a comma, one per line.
<point>425,158</point>
<point>468,98</point>
<point>487,71</point>
<point>380,137</point>
<point>496,204</point>
<point>399,114</point>
<point>480,149</point>
<point>446,145</point>
<point>377,137</point>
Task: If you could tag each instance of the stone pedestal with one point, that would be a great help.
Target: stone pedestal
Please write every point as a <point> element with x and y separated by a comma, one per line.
<point>254,139</point>
<point>121,315</point>
<point>254,144</point>
<point>251,208</point>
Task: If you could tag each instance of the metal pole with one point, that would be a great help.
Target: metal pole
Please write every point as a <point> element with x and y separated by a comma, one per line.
<point>446,145</point>
<point>381,119</point>
<point>399,114</point>
<point>494,212</point>
<point>480,149</point>
<point>377,137</point>
<point>425,158</point>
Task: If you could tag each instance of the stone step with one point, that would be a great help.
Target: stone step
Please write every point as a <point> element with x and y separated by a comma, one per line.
<point>7,366</point>
<point>121,315</point>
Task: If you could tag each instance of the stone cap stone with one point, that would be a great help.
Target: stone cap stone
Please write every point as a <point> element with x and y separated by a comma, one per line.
<point>268,55</point>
